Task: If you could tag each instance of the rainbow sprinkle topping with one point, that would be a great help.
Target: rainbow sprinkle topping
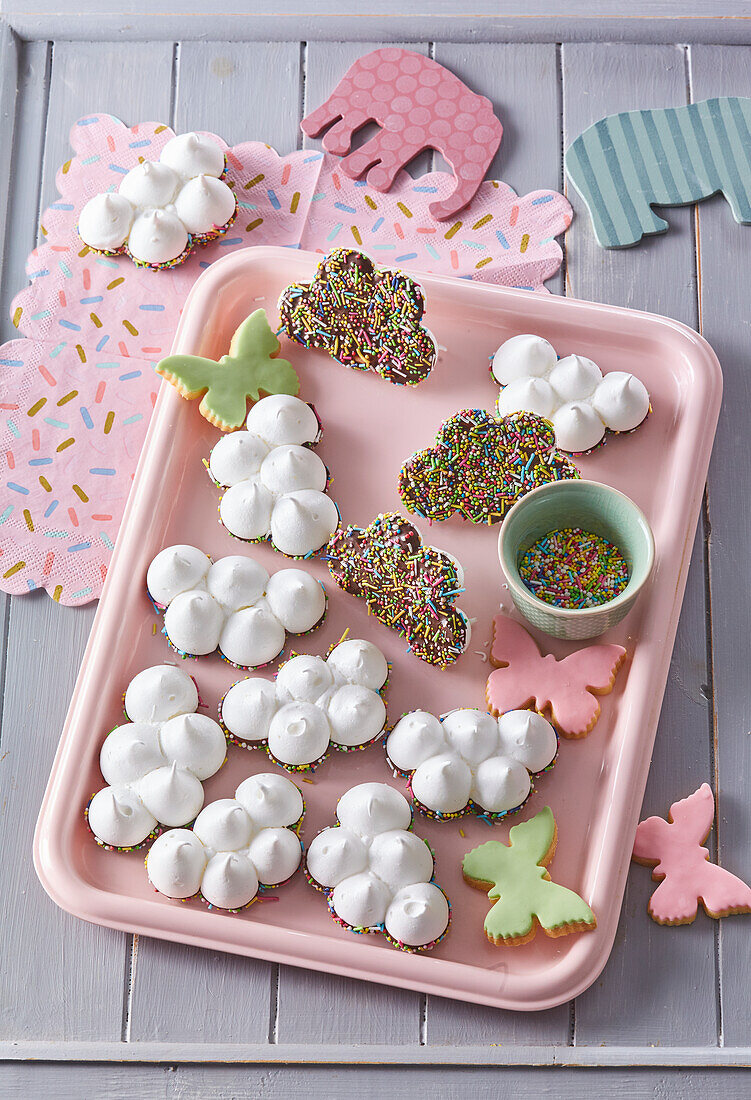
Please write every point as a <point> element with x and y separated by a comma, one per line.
<point>366,318</point>
<point>572,568</point>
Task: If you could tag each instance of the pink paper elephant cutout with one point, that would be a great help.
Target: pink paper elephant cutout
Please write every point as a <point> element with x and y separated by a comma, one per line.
<point>418,105</point>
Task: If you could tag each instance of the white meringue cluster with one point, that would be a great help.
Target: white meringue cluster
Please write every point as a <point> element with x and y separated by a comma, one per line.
<point>571,392</point>
<point>232,605</point>
<point>312,705</point>
<point>163,207</point>
<point>235,845</point>
<point>275,484</point>
<point>471,760</point>
<point>155,764</point>
<point>378,875</point>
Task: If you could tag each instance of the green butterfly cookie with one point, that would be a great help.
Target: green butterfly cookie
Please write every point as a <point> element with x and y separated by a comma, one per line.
<point>516,874</point>
<point>249,370</point>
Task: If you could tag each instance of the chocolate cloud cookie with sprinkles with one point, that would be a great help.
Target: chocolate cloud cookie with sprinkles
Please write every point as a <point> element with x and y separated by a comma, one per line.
<point>365,318</point>
<point>408,586</point>
<point>480,466</point>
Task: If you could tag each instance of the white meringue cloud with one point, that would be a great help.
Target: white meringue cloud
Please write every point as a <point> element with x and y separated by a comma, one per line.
<point>162,208</point>
<point>571,392</point>
<point>155,764</point>
<point>275,485</point>
<point>376,873</point>
<point>312,706</point>
<point>235,845</point>
<point>471,761</point>
<point>232,605</point>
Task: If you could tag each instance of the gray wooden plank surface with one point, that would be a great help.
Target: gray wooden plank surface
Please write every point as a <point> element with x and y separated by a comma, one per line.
<point>529,159</point>
<point>725,275</point>
<point>660,985</point>
<point>653,972</point>
<point>77,992</point>
<point>394,20</point>
<point>229,999</point>
<point>317,1007</point>
<point>19,1081</point>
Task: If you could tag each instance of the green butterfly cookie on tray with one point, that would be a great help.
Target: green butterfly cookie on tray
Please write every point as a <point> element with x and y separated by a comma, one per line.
<point>225,386</point>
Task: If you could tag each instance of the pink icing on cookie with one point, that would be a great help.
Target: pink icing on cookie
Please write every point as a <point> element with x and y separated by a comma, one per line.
<point>568,689</point>
<point>681,865</point>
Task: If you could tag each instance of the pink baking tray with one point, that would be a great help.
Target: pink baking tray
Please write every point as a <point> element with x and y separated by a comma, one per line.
<point>370,427</point>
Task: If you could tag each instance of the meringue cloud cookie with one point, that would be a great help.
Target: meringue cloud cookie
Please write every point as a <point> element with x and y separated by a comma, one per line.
<point>313,706</point>
<point>236,845</point>
<point>163,208</point>
<point>232,605</point>
<point>155,764</point>
<point>377,874</point>
<point>471,762</point>
<point>571,392</point>
<point>274,484</point>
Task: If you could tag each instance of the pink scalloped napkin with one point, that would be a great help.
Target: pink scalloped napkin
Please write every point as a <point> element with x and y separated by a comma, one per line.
<point>499,238</point>
<point>77,394</point>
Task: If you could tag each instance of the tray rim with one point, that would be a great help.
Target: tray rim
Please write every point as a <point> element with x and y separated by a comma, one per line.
<point>91,903</point>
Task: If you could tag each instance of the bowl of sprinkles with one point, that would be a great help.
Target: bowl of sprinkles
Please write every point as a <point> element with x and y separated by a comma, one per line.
<point>576,555</point>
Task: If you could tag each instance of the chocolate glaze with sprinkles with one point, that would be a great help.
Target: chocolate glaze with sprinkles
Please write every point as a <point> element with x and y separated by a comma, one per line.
<point>408,586</point>
<point>364,317</point>
<point>481,465</point>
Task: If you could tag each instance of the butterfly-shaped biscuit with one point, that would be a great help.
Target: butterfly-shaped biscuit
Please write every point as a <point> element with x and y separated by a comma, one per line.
<point>566,689</point>
<point>515,876</point>
<point>249,370</point>
<point>674,849</point>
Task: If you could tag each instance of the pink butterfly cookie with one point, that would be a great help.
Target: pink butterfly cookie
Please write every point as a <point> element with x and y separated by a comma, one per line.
<point>566,689</point>
<point>673,848</point>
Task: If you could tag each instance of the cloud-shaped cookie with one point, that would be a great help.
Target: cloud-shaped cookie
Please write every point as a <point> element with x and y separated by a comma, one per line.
<point>163,207</point>
<point>274,483</point>
<point>408,586</point>
<point>571,392</point>
<point>236,845</point>
<point>377,875</point>
<point>155,764</point>
<point>366,318</point>
<point>470,761</point>
<point>232,605</point>
<point>314,705</point>
<point>480,466</point>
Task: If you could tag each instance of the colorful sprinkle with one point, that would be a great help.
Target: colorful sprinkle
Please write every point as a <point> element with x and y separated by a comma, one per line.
<point>572,568</point>
<point>480,466</point>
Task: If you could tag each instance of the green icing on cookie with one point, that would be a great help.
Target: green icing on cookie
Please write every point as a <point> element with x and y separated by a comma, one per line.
<point>517,877</point>
<point>248,371</point>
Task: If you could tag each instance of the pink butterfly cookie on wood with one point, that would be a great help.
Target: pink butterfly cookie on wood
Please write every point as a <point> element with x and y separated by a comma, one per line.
<point>418,105</point>
<point>566,689</point>
<point>674,849</point>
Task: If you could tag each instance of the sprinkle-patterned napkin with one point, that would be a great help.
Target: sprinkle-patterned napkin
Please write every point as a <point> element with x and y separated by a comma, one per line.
<point>77,393</point>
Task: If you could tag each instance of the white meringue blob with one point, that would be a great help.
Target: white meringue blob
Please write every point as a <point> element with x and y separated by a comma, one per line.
<point>470,760</point>
<point>523,356</point>
<point>231,605</point>
<point>235,845</point>
<point>274,484</point>
<point>192,155</point>
<point>314,704</point>
<point>156,237</point>
<point>105,221</point>
<point>378,875</point>
<point>154,765</point>
<point>204,205</point>
<point>571,392</point>
<point>162,207</point>
<point>149,185</point>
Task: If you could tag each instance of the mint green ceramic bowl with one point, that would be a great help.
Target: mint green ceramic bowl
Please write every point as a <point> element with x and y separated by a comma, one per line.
<point>593,507</point>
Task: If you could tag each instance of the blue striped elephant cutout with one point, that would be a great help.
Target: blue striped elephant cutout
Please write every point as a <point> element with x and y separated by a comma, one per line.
<point>626,163</point>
